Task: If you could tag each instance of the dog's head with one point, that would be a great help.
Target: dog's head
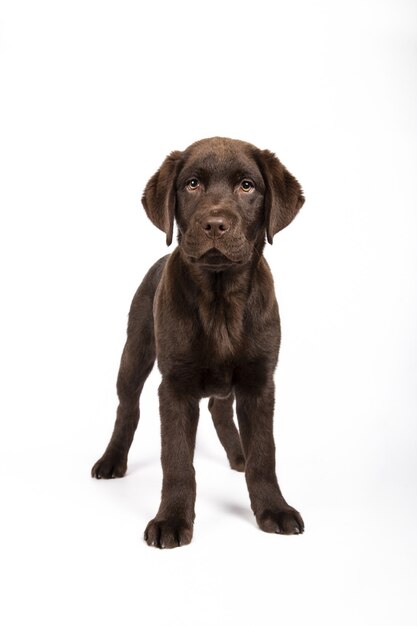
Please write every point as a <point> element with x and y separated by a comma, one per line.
<point>225,196</point>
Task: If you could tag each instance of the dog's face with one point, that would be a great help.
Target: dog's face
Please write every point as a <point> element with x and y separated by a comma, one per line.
<point>220,200</point>
<point>225,196</point>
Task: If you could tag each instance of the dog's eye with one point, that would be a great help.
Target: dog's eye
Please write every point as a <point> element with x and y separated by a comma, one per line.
<point>247,185</point>
<point>193,183</point>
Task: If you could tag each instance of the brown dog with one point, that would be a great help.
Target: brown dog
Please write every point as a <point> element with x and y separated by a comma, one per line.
<point>208,313</point>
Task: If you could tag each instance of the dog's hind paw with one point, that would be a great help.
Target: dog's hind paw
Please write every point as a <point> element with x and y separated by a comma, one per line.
<point>111,465</point>
<point>237,463</point>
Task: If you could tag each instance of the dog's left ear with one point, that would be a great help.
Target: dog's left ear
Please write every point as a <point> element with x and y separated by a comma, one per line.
<point>159,196</point>
<point>283,194</point>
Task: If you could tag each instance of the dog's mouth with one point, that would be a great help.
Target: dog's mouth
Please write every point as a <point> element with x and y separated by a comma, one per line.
<point>214,260</point>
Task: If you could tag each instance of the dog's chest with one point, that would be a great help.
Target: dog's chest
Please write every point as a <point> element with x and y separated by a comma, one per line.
<point>221,322</point>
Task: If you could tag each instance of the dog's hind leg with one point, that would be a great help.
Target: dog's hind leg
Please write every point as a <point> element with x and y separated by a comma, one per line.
<point>136,364</point>
<point>222,413</point>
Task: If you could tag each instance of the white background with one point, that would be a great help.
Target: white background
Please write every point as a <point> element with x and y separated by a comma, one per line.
<point>93,96</point>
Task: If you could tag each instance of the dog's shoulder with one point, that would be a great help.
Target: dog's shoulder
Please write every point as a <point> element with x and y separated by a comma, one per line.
<point>149,285</point>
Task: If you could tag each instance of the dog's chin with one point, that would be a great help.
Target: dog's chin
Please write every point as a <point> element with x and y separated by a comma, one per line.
<point>215,261</point>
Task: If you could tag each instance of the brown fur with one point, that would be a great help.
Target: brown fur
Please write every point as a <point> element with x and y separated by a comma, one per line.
<point>208,314</point>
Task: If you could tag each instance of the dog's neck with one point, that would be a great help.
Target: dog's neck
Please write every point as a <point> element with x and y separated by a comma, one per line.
<point>214,284</point>
<point>220,299</point>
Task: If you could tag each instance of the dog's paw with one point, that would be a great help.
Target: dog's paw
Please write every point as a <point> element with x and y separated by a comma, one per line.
<point>285,521</point>
<point>111,465</point>
<point>237,463</point>
<point>168,533</point>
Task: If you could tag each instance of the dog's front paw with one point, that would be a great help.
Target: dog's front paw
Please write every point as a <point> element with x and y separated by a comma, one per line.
<point>168,533</point>
<point>285,521</point>
<point>111,465</point>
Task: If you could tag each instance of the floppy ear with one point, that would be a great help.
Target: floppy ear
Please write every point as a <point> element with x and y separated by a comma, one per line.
<point>159,196</point>
<point>283,196</point>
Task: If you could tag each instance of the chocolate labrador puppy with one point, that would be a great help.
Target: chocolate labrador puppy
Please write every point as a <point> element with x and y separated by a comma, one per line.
<point>208,314</point>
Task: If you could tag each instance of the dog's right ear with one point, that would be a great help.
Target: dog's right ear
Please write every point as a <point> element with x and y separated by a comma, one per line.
<point>159,196</point>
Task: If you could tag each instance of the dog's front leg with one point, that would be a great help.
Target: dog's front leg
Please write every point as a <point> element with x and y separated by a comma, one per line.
<point>255,416</point>
<point>173,524</point>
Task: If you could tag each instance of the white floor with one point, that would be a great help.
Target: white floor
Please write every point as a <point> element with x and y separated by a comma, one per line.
<point>73,551</point>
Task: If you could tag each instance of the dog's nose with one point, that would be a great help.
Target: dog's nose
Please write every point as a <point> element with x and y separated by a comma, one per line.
<point>215,227</point>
